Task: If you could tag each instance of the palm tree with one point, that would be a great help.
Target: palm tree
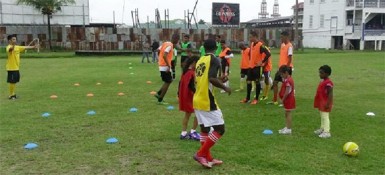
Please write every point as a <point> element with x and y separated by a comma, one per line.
<point>47,7</point>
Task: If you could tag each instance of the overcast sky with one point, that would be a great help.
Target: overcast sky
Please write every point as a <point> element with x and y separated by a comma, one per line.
<point>102,10</point>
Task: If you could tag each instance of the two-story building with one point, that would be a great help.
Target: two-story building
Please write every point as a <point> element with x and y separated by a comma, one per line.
<point>344,24</point>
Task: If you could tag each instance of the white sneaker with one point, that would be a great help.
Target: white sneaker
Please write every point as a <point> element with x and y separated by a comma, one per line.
<point>222,91</point>
<point>318,131</point>
<point>284,131</point>
<point>325,135</point>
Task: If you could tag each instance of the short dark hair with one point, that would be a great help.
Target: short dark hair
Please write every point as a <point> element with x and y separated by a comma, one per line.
<point>11,36</point>
<point>223,41</point>
<point>285,33</point>
<point>218,36</point>
<point>210,45</point>
<point>253,33</point>
<point>186,36</point>
<point>188,62</point>
<point>327,69</point>
<point>284,69</point>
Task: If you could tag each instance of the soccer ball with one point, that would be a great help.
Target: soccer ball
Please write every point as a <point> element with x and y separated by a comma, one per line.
<point>351,149</point>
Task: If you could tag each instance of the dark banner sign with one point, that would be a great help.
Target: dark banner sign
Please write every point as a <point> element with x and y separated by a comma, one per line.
<point>225,15</point>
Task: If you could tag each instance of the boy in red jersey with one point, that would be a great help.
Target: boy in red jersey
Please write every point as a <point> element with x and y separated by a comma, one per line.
<point>287,95</point>
<point>323,101</point>
<point>185,94</point>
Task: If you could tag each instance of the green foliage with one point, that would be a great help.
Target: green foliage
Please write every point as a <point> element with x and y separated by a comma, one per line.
<point>70,142</point>
<point>47,7</point>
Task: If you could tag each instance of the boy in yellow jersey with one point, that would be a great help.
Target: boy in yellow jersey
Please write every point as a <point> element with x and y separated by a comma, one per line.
<point>205,106</point>
<point>166,53</point>
<point>285,58</point>
<point>13,63</point>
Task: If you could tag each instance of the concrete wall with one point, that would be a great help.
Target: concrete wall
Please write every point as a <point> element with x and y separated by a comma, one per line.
<point>108,38</point>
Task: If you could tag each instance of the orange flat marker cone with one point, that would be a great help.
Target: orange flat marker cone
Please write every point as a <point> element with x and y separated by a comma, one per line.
<point>76,84</point>
<point>53,96</point>
<point>120,82</point>
<point>98,83</point>
<point>148,82</point>
<point>152,92</point>
<point>90,95</point>
<point>121,94</point>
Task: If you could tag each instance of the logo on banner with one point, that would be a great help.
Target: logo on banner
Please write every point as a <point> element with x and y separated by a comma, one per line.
<point>225,14</point>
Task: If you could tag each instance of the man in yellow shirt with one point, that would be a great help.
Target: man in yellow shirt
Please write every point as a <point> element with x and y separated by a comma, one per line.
<point>13,63</point>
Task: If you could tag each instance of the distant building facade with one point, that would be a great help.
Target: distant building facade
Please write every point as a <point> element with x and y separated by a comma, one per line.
<point>344,24</point>
<point>72,14</point>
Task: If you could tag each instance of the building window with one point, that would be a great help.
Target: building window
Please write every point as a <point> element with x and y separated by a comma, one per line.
<point>311,1</point>
<point>311,21</point>
<point>321,21</point>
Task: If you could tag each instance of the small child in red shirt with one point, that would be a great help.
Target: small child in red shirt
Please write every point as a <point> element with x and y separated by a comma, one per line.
<point>186,94</point>
<point>287,95</point>
<point>323,101</point>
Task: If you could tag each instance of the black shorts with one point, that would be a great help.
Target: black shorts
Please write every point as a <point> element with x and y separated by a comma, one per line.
<point>278,77</point>
<point>225,64</point>
<point>166,76</point>
<point>244,71</point>
<point>254,74</point>
<point>13,76</point>
<point>183,59</point>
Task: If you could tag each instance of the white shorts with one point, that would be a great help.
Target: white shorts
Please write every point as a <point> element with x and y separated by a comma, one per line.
<point>209,118</point>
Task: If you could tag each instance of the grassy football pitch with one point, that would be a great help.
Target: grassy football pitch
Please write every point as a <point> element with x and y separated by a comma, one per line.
<point>72,142</point>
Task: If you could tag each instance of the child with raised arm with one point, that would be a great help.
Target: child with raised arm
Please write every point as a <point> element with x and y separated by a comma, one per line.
<point>186,93</point>
<point>287,95</point>
<point>323,101</point>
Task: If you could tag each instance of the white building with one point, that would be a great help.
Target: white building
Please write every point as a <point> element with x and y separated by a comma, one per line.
<point>344,24</point>
<point>73,14</point>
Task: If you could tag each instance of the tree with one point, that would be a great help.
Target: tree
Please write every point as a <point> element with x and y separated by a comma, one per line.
<point>201,21</point>
<point>47,7</point>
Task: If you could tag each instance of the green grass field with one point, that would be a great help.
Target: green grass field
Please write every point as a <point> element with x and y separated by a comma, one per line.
<point>71,142</point>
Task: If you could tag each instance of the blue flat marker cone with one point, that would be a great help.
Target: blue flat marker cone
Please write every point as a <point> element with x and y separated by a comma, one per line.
<point>133,110</point>
<point>91,112</point>
<point>112,140</point>
<point>46,114</point>
<point>30,146</point>
<point>170,108</point>
<point>267,132</point>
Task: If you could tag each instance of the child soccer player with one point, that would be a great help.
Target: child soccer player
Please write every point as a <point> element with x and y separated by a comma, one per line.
<point>13,62</point>
<point>287,95</point>
<point>323,100</point>
<point>186,93</point>
<point>206,107</point>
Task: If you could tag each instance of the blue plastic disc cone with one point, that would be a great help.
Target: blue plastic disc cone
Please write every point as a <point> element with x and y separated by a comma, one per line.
<point>112,140</point>
<point>170,108</point>
<point>46,114</point>
<point>133,110</point>
<point>91,113</point>
<point>267,132</point>
<point>30,146</point>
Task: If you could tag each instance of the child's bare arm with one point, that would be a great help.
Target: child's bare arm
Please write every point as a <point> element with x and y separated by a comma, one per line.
<point>288,90</point>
